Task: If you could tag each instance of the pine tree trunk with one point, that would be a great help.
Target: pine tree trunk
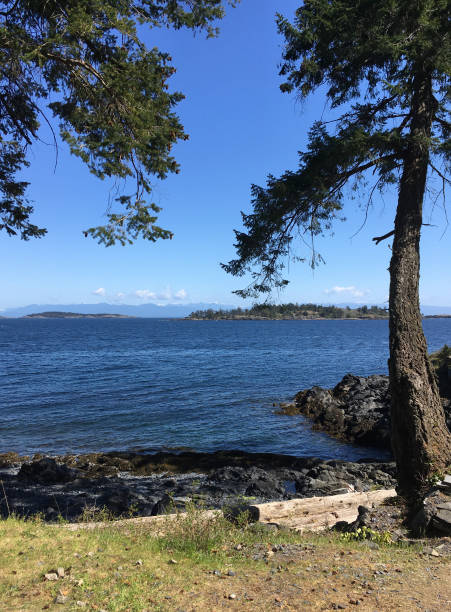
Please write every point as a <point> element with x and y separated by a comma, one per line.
<point>420,438</point>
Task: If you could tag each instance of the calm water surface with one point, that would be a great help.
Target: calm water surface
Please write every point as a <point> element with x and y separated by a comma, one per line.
<point>88,385</point>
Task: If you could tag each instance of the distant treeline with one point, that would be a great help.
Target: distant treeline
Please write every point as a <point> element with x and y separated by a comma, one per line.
<point>55,314</point>
<point>293,311</point>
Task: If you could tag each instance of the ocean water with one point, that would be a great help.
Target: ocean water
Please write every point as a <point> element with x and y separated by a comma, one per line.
<point>96,385</point>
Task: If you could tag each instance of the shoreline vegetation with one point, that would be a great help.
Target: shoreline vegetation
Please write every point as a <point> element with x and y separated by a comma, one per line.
<point>291,311</point>
<point>297,312</point>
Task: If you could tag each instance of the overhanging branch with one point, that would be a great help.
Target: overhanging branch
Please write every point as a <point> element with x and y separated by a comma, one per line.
<point>378,239</point>
<point>442,176</point>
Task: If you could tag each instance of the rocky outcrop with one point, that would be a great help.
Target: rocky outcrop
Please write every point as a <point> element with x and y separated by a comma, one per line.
<point>357,410</point>
<point>149,484</point>
<point>434,515</point>
<point>47,471</point>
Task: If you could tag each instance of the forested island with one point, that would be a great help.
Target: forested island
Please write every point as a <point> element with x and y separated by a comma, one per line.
<point>291,311</point>
<point>74,315</point>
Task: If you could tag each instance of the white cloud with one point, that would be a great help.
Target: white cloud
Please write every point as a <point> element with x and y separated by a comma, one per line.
<point>166,294</point>
<point>351,290</point>
<point>163,296</point>
<point>100,291</point>
<point>180,295</point>
<point>145,294</point>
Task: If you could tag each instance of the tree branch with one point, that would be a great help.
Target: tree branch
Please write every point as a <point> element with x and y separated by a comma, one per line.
<point>442,176</point>
<point>72,61</point>
<point>378,239</point>
<point>443,123</point>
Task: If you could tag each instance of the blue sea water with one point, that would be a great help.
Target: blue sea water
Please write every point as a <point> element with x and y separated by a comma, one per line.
<point>89,385</point>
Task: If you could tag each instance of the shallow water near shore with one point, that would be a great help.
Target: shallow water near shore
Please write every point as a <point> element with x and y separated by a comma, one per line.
<point>97,385</point>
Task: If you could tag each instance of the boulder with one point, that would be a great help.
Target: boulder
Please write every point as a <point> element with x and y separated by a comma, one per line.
<point>238,512</point>
<point>441,520</point>
<point>434,515</point>
<point>265,489</point>
<point>164,505</point>
<point>356,410</point>
<point>47,471</point>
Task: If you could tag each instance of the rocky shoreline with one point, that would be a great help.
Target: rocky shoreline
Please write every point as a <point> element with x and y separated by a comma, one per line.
<point>93,486</point>
<point>77,487</point>
<point>356,410</point>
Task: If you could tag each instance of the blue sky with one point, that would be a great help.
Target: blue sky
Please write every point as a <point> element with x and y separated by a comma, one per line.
<point>241,128</point>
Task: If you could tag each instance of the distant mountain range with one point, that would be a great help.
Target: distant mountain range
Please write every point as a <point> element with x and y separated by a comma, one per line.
<point>141,310</point>
<point>161,311</point>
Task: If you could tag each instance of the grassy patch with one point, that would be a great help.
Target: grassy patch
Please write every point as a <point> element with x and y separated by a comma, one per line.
<point>199,562</point>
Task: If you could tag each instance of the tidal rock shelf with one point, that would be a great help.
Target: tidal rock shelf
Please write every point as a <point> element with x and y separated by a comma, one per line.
<point>356,410</point>
<point>142,484</point>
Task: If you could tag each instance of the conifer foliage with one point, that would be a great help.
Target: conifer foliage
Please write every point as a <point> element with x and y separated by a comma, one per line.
<point>82,62</point>
<point>386,65</point>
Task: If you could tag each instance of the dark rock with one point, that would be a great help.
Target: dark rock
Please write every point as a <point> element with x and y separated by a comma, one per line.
<point>250,481</point>
<point>118,501</point>
<point>342,526</point>
<point>236,512</point>
<point>356,410</point>
<point>266,489</point>
<point>47,471</point>
<point>441,521</point>
<point>362,520</point>
<point>434,515</point>
<point>326,477</point>
<point>226,478</point>
<point>163,506</point>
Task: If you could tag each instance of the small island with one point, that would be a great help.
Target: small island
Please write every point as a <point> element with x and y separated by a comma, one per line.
<point>290,312</point>
<point>74,315</point>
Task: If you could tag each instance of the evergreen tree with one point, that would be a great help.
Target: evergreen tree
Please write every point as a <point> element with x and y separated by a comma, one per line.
<point>83,62</point>
<point>387,65</point>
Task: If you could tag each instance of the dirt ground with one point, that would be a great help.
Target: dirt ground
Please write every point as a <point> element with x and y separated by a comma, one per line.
<point>320,578</point>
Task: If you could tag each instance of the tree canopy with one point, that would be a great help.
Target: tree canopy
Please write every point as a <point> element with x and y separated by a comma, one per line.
<point>292,311</point>
<point>82,62</point>
<point>368,56</point>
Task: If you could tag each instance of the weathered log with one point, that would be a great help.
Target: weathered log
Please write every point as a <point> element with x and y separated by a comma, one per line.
<point>316,513</point>
<point>308,514</point>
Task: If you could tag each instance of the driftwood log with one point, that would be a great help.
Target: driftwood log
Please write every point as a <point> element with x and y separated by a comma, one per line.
<point>317,513</point>
<point>307,514</point>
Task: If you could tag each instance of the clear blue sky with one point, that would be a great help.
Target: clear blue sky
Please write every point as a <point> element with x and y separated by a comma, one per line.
<point>241,128</point>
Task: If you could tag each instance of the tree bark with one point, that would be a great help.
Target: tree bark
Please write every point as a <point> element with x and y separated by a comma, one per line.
<point>420,438</point>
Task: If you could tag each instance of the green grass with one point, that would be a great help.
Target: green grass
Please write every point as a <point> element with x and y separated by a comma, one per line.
<point>136,566</point>
<point>118,567</point>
